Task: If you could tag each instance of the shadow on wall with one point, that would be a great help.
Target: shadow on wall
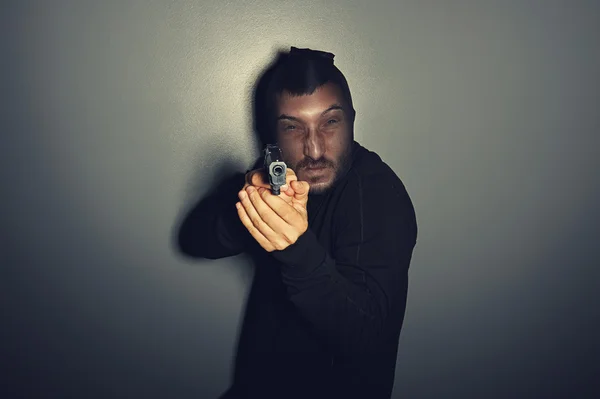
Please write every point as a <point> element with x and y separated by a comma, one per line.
<point>192,234</point>
<point>226,173</point>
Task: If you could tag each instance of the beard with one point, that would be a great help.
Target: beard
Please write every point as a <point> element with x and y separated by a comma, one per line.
<point>338,169</point>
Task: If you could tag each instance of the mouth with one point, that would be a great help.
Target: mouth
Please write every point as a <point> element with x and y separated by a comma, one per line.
<point>313,171</point>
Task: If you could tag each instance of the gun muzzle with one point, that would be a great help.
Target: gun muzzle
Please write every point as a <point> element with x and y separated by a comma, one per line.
<point>275,167</point>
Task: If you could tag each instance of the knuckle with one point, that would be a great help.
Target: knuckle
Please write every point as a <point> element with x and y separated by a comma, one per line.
<point>291,213</point>
<point>262,226</point>
<point>255,220</point>
<point>291,238</point>
<point>252,176</point>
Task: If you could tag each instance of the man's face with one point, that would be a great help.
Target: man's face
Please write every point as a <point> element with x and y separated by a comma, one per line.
<point>315,134</point>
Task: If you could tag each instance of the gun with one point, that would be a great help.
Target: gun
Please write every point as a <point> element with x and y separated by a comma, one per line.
<point>275,167</point>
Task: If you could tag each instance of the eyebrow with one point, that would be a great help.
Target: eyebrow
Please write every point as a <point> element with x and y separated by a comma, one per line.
<point>293,118</point>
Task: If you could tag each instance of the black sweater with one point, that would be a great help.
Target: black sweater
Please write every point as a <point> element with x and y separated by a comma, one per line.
<point>323,317</point>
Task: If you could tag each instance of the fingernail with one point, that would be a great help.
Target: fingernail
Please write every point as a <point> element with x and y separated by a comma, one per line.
<point>284,187</point>
<point>242,195</point>
<point>250,189</point>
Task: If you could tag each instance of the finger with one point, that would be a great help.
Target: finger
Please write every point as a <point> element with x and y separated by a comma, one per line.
<point>289,192</point>
<point>285,213</point>
<point>284,232</point>
<point>290,176</point>
<point>262,217</point>
<point>257,235</point>
<point>301,189</point>
<point>259,178</point>
<point>285,194</point>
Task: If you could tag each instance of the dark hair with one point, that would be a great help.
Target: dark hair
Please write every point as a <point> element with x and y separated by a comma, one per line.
<point>299,72</point>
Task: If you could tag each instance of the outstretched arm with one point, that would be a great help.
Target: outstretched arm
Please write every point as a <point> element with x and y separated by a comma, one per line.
<point>354,297</point>
<point>212,229</point>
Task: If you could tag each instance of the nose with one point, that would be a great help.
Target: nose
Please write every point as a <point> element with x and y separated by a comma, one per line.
<point>314,144</point>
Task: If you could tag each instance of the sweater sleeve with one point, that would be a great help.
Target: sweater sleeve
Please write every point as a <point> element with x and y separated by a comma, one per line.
<point>213,230</point>
<point>355,297</point>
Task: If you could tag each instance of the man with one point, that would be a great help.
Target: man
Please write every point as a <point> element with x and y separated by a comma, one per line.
<point>332,250</point>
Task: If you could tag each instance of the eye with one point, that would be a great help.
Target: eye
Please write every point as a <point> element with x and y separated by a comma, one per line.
<point>290,127</point>
<point>332,121</point>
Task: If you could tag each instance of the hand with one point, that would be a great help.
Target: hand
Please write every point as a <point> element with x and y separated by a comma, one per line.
<point>274,222</point>
<point>258,178</point>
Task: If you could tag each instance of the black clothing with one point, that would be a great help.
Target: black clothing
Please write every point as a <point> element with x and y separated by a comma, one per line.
<point>324,315</point>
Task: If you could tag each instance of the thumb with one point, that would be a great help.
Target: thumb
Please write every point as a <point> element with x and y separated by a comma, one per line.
<point>301,189</point>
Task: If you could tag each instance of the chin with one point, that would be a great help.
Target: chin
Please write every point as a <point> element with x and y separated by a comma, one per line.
<point>319,188</point>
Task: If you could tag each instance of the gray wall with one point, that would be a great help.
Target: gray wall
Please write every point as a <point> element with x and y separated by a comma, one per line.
<point>118,115</point>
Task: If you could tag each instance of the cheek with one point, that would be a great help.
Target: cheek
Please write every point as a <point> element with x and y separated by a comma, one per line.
<point>346,140</point>
<point>292,151</point>
<point>337,143</point>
